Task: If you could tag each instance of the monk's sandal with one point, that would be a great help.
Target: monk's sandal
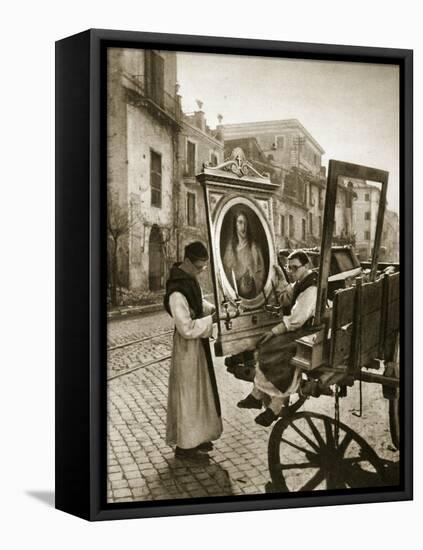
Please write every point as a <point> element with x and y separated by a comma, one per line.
<point>192,455</point>
<point>205,447</point>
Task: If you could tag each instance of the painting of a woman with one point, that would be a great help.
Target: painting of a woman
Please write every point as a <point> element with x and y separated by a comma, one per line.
<point>243,260</point>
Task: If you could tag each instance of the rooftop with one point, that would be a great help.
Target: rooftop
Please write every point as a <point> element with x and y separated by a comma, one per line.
<point>244,129</point>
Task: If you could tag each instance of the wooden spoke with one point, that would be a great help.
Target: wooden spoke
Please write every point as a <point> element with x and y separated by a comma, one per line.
<point>305,437</point>
<point>295,446</point>
<point>314,481</point>
<point>325,461</point>
<point>301,466</point>
<point>330,440</point>
<point>342,447</point>
<point>316,432</point>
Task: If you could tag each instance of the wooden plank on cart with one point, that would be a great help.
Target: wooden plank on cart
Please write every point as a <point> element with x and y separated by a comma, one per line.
<point>343,307</point>
<point>392,322</point>
<point>371,319</point>
<point>342,326</point>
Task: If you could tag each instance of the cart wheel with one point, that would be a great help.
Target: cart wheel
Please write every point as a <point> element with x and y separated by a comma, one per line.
<point>303,456</point>
<point>394,422</point>
<point>296,405</point>
<point>394,402</point>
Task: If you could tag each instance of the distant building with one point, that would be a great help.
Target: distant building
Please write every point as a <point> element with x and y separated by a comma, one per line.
<point>292,157</point>
<point>365,208</point>
<point>285,142</point>
<point>365,217</point>
<point>390,238</point>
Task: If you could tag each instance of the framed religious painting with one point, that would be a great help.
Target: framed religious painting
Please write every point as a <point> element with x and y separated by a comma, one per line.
<point>234,274</point>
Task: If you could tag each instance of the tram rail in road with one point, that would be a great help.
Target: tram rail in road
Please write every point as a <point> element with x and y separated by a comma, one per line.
<point>132,342</point>
<point>124,372</point>
<point>140,366</point>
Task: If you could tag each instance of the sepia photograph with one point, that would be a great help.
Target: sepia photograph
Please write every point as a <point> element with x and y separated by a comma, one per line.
<point>253,287</point>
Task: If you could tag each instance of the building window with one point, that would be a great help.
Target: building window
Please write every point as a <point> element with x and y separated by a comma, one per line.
<point>280,142</point>
<point>367,215</point>
<point>316,160</point>
<point>282,226</point>
<point>291,226</point>
<point>190,158</point>
<point>310,222</point>
<point>213,159</point>
<point>154,70</point>
<point>303,229</point>
<point>156,178</point>
<point>367,197</point>
<point>191,209</point>
<point>320,226</point>
<point>367,235</point>
<point>320,199</point>
<point>334,227</point>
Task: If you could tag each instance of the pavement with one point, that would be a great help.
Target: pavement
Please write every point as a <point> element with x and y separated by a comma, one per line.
<point>140,464</point>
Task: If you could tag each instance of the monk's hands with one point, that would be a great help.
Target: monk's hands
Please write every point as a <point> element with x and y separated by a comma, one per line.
<point>265,338</point>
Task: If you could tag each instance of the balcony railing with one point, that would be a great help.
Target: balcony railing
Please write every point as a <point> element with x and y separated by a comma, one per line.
<point>156,95</point>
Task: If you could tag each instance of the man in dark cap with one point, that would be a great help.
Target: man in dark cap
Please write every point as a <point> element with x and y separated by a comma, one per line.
<point>193,413</point>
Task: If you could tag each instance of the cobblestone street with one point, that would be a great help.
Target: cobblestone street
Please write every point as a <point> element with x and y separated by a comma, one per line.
<point>140,464</point>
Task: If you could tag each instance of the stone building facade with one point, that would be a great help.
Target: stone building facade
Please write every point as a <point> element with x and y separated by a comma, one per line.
<point>363,215</point>
<point>144,119</point>
<point>390,238</point>
<point>154,152</point>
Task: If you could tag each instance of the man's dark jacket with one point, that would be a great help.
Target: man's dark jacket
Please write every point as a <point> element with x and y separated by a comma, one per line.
<point>275,355</point>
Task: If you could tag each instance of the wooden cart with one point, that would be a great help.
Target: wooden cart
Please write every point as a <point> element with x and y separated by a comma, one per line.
<point>356,328</point>
<point>352,334</point>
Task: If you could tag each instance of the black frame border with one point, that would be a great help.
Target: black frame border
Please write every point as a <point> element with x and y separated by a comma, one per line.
<point>81,322</point>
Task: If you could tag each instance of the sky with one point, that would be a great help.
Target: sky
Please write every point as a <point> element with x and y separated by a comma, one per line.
<point>351,109</point>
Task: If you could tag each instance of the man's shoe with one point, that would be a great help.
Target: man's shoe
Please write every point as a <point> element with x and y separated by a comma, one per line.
<point>192,455</point>
<point>205,447</point>
<point>266,418</point>
<point>250,402</point>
